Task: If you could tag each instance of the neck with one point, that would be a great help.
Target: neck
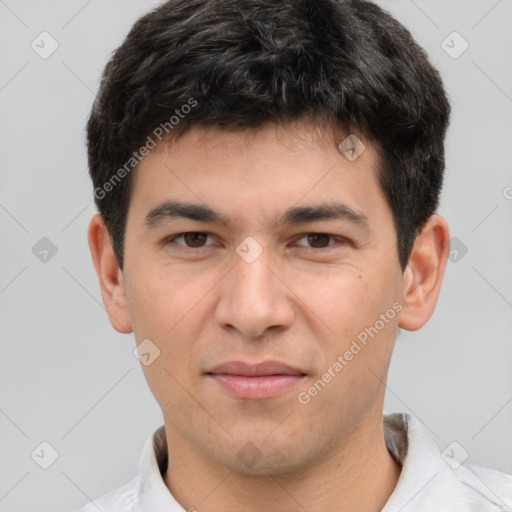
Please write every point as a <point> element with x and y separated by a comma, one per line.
<point>358,474</point>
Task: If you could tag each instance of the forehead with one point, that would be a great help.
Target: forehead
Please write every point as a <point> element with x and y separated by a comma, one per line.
<point>274,167</point>
<point>300,136</point>
<point>301,140</point>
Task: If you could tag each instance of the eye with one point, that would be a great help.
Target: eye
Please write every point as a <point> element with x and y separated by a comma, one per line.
<point>319,240</point>
<point>192,239</point>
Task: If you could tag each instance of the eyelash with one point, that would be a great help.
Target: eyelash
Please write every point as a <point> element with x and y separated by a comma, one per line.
<point>340,240</point>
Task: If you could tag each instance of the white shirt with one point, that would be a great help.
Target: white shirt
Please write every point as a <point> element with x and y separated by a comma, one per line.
<point>429,482</point>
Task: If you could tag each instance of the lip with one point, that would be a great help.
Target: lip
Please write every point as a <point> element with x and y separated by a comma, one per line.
<point>255,381</point>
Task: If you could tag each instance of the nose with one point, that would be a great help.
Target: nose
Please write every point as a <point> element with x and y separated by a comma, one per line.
<point>254,299</point>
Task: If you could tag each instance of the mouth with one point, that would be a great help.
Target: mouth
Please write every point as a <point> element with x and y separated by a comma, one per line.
<point>255,381</point>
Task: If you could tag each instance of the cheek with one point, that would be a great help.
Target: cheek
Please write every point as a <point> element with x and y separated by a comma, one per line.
<point>346,301</point>
<point>171,308</point>
<point>347,307</point>
<point>168,309</point>
<point>163,298</point>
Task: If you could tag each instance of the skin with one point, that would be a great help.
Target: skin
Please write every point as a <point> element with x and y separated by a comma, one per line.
<point>299,302</point>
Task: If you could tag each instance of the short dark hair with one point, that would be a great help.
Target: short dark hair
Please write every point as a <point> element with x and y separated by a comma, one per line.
<point>241,63</point>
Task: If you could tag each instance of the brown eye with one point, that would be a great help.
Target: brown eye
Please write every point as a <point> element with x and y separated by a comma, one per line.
<point>195,239</point>
<point>318,240</point>
<point>192,239</point>
<point>321,241</point>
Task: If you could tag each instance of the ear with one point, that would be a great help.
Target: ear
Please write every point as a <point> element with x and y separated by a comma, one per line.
<point>424,273</point>
<point>109,274</point>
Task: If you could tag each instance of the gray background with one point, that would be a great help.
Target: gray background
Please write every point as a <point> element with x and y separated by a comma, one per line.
<point>67,378</point>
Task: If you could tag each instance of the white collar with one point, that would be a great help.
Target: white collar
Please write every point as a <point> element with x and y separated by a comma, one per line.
<point>427,483</point>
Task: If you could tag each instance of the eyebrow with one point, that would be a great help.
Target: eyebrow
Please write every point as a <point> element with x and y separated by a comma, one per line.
<point>169,210</point>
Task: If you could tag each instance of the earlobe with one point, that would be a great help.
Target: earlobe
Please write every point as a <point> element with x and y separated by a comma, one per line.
<point>424,274</point>
<point>109,274</point>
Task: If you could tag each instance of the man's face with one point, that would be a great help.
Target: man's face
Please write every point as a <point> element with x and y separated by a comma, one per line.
<point>283,295</point>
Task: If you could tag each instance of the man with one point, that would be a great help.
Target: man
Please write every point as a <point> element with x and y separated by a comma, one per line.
<point>267,175</point>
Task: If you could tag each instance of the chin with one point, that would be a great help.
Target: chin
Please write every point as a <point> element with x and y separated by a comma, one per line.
<point>268,457</point>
